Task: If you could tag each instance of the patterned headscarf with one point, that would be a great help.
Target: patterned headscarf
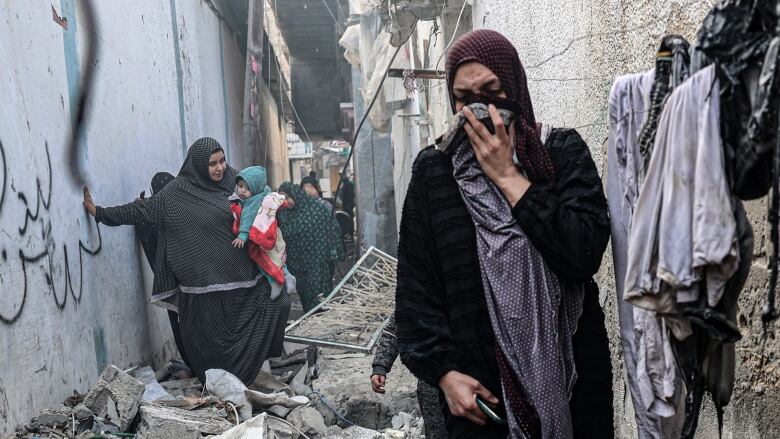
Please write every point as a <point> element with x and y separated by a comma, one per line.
<point>495,52</point>
<point>147,233</point>
<point>195,169</point>
<point>159,181</point>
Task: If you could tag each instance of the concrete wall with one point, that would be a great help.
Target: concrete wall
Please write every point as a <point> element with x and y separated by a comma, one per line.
<point>276,160</point>
<point>72,294</point>
<point>572,51</point>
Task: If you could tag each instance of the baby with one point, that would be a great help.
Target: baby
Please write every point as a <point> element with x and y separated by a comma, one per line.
<point>254,219</point>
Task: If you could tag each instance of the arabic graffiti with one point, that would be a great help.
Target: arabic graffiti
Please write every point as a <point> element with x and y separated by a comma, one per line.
<point>57,261</point>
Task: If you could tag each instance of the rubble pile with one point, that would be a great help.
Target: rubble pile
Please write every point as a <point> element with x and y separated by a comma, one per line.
<point>289,402</point>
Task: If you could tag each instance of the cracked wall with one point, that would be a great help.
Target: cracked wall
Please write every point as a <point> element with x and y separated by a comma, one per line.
<point>572,51</point>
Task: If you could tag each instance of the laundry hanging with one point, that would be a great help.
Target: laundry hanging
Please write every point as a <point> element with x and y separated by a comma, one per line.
<point>636,103</point>
<point>629,104</point>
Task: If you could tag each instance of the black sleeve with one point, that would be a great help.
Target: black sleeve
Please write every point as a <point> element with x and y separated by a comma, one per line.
<point>568,222</point>
<point>138,212</point>
<point>424,340</point>
<point>386,349</point>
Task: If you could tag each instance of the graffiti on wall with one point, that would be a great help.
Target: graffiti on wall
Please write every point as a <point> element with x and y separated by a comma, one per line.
<point>40,242</point>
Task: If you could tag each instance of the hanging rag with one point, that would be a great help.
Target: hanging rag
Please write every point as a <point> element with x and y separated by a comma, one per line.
<point>650,369</point>
<point>686,233</point>
<point>533,313</point>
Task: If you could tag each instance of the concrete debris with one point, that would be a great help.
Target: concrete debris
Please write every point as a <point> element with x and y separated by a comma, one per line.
<point>52,420</point>
<point>159,422</point>
<point>356,432</point>
<point>116,396</point>
<point>137,403</point>
<point>261,427</point>
<point>82,412</point>
<point>402,421</point>
<point>309,421</point>
<point>184,388</point>
<point>227,387</point>
<point>154,391</point>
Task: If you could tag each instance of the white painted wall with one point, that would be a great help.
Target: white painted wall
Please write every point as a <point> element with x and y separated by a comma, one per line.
<point>52,339</point>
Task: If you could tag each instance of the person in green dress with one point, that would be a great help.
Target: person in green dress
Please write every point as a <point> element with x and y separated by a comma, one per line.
<point>313,242</point>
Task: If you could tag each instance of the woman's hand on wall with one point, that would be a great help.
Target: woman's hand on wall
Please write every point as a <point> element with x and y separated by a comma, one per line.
<point>89,205</point>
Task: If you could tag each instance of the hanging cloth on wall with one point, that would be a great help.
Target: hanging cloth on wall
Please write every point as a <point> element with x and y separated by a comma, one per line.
<point>629,102</point>
<point>743,38</point>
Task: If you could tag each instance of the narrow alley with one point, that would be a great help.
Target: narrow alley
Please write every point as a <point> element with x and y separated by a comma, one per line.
<point>284,219</point>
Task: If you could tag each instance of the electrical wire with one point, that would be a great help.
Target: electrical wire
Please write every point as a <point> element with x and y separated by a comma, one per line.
<point>454,33</point>
<point>327,404</point>
<point>338,24</point>
<point>365,116</point>
<point>289,99</point>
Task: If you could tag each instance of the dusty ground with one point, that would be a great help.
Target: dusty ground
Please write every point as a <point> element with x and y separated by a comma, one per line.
<point>345,385</point>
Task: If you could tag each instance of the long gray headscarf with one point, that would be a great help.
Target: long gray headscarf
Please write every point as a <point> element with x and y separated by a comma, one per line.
<point>533,313</point>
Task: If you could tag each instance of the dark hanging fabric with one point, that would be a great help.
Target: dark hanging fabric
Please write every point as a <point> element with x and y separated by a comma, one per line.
<point>737,35</point>
<point>671,69</point>
<point>147,233</point>
<point>743,38</point>
<point>495,52</point>
<point>707,358</point>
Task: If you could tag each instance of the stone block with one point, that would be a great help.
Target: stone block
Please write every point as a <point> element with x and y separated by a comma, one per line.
<point>116,396</point>
<point>159,422</point>
<point>309,421</point>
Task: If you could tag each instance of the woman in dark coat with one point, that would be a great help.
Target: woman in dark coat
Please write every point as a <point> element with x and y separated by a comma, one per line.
<point>227,318</point>
<point>552,192</point>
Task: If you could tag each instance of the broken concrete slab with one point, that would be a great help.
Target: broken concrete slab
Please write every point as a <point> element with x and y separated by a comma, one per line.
<point>82,412</point>
<point>356,432</point>
<point>115,396</point>
<point>158,422</point>
<point>308,420</point>
<point>52,420</point>
<point>262,426</point>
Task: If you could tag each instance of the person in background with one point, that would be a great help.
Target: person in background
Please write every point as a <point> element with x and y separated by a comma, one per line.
<point>445,330</point>
<point>226,315</point>
<point>147,234</point>
<point>313,244</point>
<point>427,396</point>
<point>312,189</point>
<point>347,196</point>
